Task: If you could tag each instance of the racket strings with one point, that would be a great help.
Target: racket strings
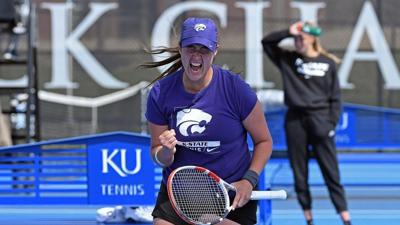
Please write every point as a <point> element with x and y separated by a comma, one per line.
<point>199,197</point>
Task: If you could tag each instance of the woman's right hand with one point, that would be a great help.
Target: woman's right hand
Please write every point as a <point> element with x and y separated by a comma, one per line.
<point>295,29</point>
<point>168,140</point>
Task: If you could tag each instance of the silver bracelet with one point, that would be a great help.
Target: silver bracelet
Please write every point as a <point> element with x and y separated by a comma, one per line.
<point>160,163</point>
<point>157,160</point>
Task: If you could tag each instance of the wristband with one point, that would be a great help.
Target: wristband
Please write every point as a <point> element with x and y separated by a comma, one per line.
<point>252,177</point>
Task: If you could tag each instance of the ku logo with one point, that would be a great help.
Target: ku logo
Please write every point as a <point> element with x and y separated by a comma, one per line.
<point>200,27</point>
<point>191,121</point>
<point>120,167</point>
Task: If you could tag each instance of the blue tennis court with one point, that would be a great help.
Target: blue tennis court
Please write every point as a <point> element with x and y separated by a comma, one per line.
<point>47,215</point>
<point>65,181</point>
<point>372,187</point>
<point>372,183</point>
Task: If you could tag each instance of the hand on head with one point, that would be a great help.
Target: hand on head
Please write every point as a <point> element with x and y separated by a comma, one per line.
<point>306,28</point>
<point>295,29</point>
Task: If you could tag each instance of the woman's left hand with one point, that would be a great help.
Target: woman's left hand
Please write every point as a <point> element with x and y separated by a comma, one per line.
<point>243,193</point>
<point>295,28</point>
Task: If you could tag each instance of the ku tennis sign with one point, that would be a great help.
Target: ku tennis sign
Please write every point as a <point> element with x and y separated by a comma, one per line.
<point>121,171</point>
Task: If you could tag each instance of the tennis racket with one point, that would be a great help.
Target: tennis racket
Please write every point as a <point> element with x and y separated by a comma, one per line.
<point>199,196</point>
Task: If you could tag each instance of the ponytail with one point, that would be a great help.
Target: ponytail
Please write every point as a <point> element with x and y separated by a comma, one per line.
<point>318,47</point>
<point>175,59</point>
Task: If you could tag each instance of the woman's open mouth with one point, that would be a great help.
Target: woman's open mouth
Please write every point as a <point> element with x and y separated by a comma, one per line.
<point>195,67</point>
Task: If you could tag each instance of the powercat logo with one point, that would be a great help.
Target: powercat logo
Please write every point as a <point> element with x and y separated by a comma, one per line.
<point>200,27</point>
<point>192,122</point>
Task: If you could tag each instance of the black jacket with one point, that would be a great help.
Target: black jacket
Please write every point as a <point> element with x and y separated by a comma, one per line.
<point>309,83</point>
<point>7,11</point>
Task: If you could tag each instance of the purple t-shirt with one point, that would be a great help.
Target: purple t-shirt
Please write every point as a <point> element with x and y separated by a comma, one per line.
<point>208,123</point>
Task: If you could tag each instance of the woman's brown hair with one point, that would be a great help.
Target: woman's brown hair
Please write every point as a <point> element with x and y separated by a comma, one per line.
<point>175,59</point>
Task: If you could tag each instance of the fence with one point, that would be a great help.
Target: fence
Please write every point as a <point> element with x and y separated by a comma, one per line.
<point>360,128</point>
<point>113,168</point>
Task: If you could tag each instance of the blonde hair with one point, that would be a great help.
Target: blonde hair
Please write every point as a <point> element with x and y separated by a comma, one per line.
<point>318,47</point>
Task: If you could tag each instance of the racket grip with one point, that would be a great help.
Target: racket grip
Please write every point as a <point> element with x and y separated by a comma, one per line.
<point>258,195</point>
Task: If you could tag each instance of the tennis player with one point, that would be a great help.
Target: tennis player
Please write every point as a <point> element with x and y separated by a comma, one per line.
<point>208,111</point>
<point>312,95</point>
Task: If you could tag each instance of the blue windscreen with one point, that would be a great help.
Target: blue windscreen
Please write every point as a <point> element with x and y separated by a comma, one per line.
<point>360,128</point>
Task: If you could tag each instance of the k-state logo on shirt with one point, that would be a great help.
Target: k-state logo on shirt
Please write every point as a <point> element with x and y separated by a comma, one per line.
<point>310,69</point>
<point>191,122</point>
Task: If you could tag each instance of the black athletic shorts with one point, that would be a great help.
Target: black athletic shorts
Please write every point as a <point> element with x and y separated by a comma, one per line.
<point>246,215</point>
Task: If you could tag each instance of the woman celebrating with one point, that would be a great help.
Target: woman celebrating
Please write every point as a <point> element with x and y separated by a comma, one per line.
<point>312,95</point>
<point>209,110</point>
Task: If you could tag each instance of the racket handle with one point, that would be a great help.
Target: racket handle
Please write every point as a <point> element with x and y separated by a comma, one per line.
<point>258,195</point>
